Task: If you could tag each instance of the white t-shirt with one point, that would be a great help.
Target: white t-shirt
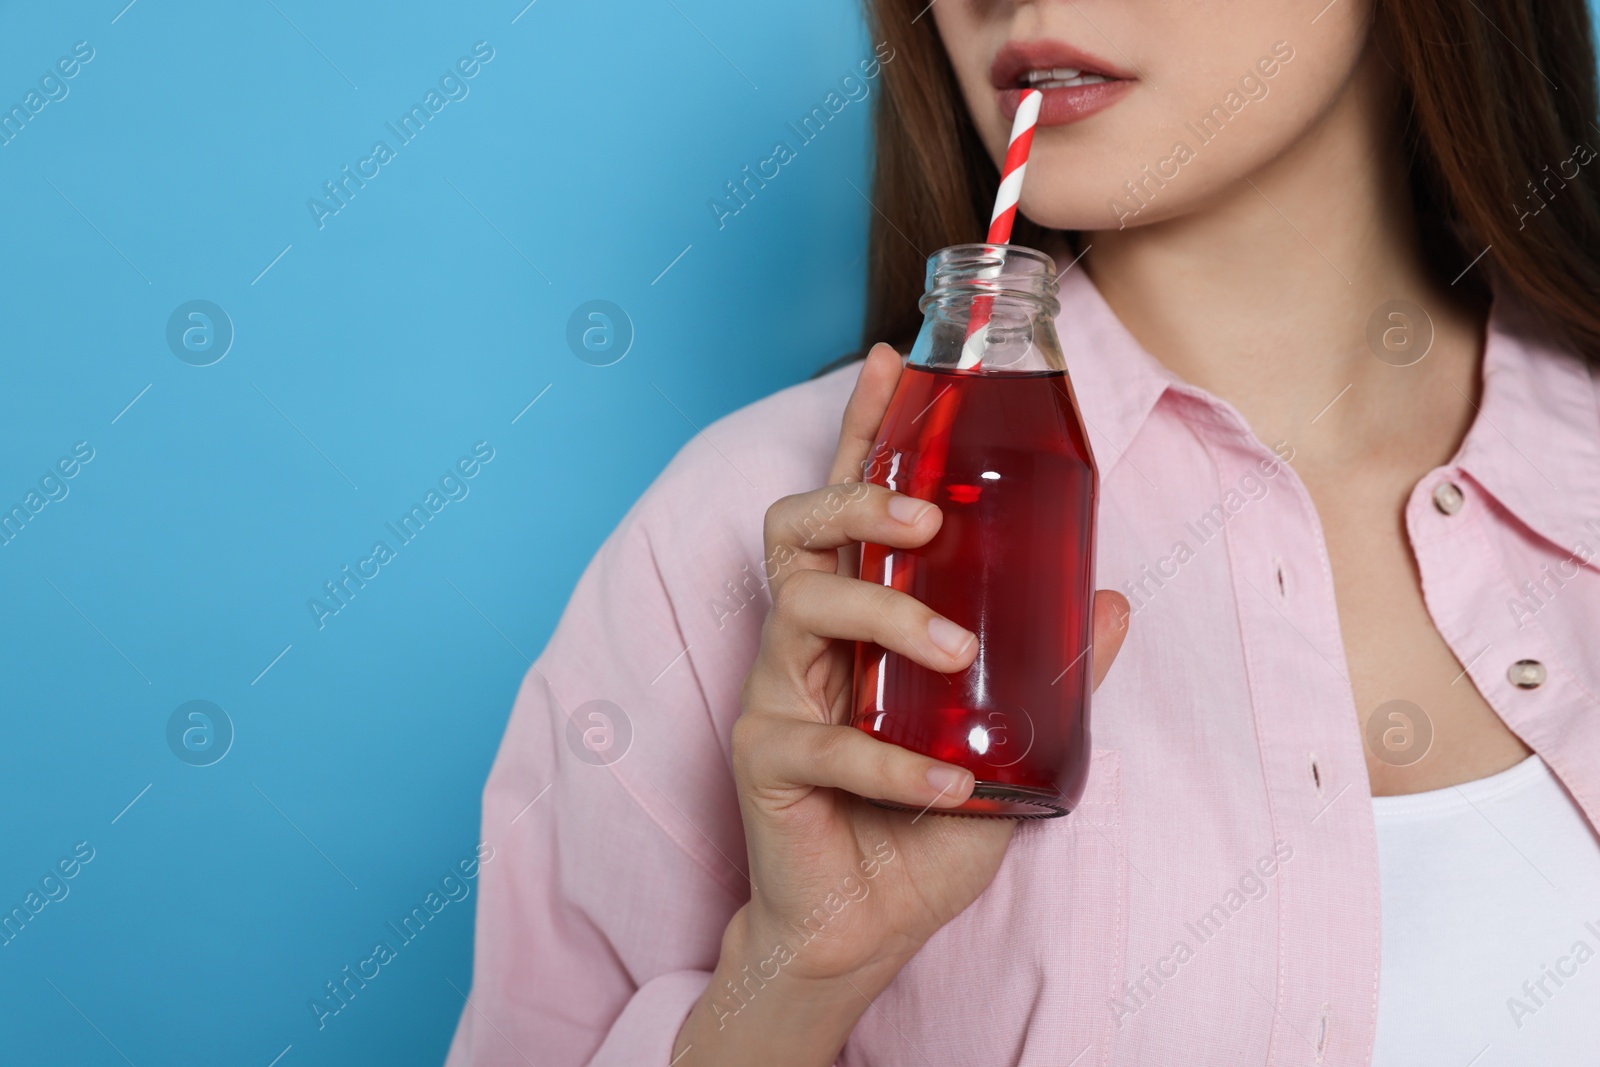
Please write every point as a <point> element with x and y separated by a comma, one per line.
<point>1491,925</point>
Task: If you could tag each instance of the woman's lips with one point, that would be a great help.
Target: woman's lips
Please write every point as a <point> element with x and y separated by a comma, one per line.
<point>1055,69</point>
<point>1061,106</point>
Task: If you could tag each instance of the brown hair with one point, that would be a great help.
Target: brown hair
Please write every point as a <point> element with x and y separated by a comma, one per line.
<point>1497,96</point>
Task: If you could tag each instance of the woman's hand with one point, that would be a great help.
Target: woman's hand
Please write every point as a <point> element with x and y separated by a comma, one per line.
<point>843,894</point>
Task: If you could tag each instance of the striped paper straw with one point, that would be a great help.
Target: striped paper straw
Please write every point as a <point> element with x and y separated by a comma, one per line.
<point>1005,213</point>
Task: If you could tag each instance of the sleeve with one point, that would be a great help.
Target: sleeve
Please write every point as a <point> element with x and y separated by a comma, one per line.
<point>612,843</point>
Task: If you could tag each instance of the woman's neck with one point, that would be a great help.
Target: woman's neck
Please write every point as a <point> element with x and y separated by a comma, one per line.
<point>1264,296</point>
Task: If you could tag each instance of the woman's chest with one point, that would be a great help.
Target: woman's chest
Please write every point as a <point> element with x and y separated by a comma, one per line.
<point>1424,724</point>
<point>1401,634</point>
<point>1219,891</point>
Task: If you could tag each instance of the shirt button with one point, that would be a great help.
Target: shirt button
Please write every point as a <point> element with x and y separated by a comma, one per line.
<point>1527,674</point>
<point>1447,498</point>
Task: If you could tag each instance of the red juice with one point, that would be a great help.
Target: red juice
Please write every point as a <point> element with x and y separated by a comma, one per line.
<point>1004,455</point>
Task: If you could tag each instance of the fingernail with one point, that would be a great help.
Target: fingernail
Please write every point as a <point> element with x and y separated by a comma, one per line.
<point>907,509</point>
<point>947,781</point>
<point>948,636</point>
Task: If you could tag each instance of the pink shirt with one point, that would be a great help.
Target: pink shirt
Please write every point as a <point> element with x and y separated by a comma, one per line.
<point>1214,900</point>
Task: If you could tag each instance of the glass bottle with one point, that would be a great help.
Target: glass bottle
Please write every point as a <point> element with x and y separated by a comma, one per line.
<point>987,427</point>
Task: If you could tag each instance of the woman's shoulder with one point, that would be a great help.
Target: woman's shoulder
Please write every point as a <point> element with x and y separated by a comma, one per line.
<point>652,649</point>
<point>666,617</point>
<point>781,444</point>
<point>695,535</point>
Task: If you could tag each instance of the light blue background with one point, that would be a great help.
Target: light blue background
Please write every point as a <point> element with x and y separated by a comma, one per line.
<point>368,357</point>
<point>372,354</point>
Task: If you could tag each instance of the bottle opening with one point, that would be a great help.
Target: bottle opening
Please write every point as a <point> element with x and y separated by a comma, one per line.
<point>987,268</point>
<point>990,308</point>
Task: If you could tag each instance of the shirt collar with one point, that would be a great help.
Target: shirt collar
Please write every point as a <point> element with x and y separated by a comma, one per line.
<point>1534,444</point>
<point>1115,380</point>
